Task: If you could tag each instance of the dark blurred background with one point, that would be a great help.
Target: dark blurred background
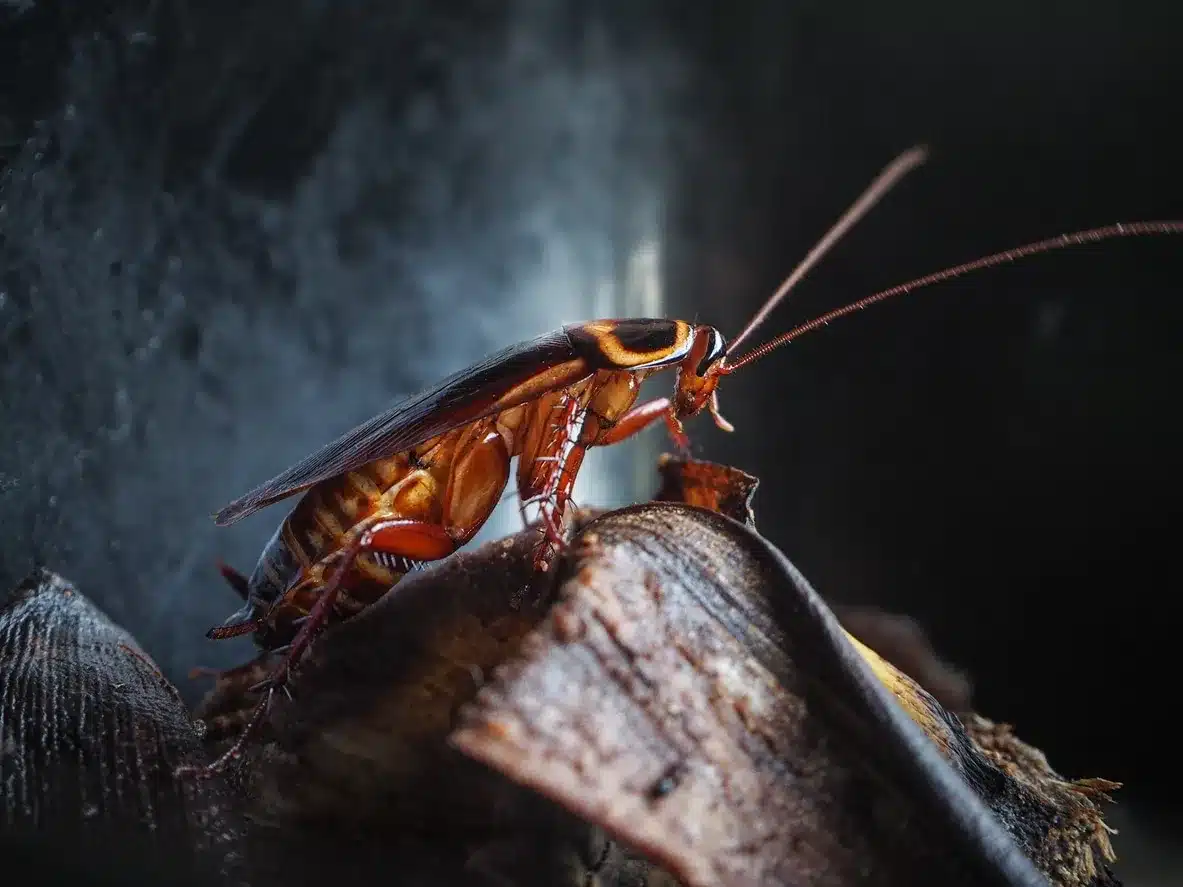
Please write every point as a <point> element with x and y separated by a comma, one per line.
<point>230,230</point>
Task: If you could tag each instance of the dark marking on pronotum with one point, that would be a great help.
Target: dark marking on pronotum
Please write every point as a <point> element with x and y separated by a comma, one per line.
<point>646,336</point>
<point>631,344</point>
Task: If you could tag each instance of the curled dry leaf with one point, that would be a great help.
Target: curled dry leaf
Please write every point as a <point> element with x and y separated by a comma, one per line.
<point>90,734</point>
<point>691,693</point>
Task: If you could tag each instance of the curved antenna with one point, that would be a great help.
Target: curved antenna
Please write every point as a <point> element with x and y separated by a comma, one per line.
<point>884,182</point>
<point>1076,238</point>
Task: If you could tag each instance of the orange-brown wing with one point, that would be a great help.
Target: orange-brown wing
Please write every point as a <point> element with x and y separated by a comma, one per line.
<point>510,377</point>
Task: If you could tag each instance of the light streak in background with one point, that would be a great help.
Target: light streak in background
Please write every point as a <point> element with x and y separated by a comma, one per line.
<point>644,296</point>
<point>624,280</point>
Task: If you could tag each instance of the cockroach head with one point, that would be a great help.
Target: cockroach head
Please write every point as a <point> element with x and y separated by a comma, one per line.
<point>698,376</point>
<point>699,372</point>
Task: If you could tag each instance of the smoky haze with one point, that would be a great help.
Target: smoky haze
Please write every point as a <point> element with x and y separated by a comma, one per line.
<point>209,332</point>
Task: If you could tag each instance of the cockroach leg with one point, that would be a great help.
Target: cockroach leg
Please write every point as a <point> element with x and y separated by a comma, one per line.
<point>681,440</point>
<point>641,417</point>
<point>556,483</point>
<point>553,537</point>
<point>223,761</point>
<point>241,675</point>
<point>635,421</point>
<point>547,476</point>
<point>411,539</point>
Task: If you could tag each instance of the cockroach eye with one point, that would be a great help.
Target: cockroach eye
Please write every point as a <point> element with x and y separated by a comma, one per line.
<point>715,350</point>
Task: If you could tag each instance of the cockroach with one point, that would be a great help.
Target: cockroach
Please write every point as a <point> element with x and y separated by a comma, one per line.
<point>416,482</point>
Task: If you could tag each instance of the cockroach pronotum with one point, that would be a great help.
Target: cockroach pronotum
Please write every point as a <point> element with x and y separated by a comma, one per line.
<point>418,481</point>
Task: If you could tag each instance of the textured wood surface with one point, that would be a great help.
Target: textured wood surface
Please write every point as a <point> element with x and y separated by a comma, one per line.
<point>91,734</point>
<point>691,694</point>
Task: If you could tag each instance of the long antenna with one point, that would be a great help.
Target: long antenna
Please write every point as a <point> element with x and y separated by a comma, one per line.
<point>1092,235</point>
<point>884,182</point>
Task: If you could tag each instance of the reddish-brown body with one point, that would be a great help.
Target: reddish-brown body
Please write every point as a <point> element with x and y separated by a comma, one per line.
<point>452,481</point>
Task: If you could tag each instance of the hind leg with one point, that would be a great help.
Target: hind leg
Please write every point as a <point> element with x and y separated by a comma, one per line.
<point>411,539</point>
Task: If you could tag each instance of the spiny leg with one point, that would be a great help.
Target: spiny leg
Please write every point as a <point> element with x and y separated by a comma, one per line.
<point>553,494</point>
<point>241,675</point>
<point>552,507</point>
<point>553,491</point>
<point>222,711</point>
<point>536,474</point>
<point>397,537</point>
<point>549,479</point>
<point>641,417</point>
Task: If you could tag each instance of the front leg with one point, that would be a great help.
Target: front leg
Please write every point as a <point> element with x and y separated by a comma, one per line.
<point>547,477</point>
<point>396,537</point>
<point>641,417</point>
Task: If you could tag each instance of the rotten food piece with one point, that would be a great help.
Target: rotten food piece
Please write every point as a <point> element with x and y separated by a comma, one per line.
<point>695,703</point>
